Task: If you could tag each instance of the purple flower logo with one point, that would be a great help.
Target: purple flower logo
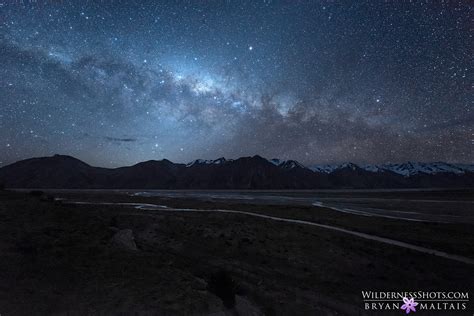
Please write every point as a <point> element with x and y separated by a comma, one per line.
<point>409,305</point>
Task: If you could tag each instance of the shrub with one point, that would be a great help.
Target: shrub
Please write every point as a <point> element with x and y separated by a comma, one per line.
<point>222,285</point>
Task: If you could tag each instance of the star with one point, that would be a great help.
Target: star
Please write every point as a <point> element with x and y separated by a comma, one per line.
<point>296,83</point>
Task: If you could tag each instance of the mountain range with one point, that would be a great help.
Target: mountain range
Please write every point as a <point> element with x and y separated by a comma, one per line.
<point>66,172</point>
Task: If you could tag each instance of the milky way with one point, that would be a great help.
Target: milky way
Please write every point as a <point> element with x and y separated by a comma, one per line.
<point>115,83</point>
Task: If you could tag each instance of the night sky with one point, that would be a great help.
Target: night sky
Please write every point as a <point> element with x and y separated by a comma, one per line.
<point>114,83</point>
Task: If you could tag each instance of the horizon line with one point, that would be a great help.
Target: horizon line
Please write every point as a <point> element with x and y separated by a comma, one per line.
<point>250,156</point>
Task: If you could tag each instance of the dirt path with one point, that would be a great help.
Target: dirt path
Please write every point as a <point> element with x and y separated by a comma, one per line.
<point>154,207</point>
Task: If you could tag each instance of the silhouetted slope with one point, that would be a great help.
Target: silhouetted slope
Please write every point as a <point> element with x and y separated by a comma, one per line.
<point>58,171</point>
<point>154,174</point>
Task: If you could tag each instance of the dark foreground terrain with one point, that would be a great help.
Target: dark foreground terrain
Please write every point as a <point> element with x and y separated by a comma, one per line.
<point>60,258</point>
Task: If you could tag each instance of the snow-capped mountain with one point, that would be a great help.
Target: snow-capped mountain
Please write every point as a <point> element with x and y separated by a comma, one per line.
<point>218,161</point>
<point>405,169</point>
<point>323,168</point>
<point>331,168</point>
<point>349,165</point>
<point>412,168</point>
<point>242,173</point>
<point>466,167</point>
<point>287,164</point>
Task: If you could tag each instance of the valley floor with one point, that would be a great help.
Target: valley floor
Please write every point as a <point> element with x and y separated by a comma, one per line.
<point>63,258</point>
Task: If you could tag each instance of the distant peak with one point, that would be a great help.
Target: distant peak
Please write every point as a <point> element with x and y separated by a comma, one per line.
<point>217,161</point>
<point>287,164</point>
<point>349,165</point>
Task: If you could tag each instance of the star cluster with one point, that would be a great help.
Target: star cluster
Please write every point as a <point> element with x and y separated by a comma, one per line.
<point>114,83</point>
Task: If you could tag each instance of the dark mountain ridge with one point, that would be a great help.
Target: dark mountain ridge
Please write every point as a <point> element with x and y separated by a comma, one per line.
<point>255,172</point>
